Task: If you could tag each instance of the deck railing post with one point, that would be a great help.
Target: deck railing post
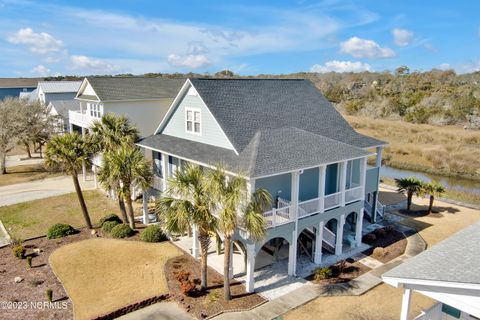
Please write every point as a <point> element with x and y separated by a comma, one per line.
<point>274,216</point>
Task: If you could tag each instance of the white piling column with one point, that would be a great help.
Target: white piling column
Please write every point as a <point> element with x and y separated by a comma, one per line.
<point>250,281</point>
<point>318,243</point>
<point>321,188</point>
<point>343,182</point>
<point>339,237</point>
<point>407,296</point>
<point>292,255</point>
<point>95,180</point>
<point>359,227</point>
<point>378,159</point>
<point>145,208</point>
<point>195,243</point>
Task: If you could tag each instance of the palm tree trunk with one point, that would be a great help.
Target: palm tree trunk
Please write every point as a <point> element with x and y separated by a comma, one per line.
<point>123,211</point>
<point>3,163</point>
<point>81,200</point>
<point>128,200</point>
<point>409,200</point>
<point>430,205</point>
<point>204,240</point>
<point>226,269</point>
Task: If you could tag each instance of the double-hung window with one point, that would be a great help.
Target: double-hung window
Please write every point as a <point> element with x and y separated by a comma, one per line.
<point>193,121</point>
<point>95,110</point>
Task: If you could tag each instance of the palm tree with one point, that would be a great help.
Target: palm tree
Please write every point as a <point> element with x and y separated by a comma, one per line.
<point>236,210</point>
<point>433,189</point>
<point>127,165</point>
<point>109,133</point>
<point>68,151</point>
<point>410,186</point>
<point>186,203</point>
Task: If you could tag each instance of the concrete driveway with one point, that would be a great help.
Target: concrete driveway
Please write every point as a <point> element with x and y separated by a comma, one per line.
<point>39,189</point>
<point>159,311</point>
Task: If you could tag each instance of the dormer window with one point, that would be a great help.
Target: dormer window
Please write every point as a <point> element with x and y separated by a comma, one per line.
<point>193,121</point>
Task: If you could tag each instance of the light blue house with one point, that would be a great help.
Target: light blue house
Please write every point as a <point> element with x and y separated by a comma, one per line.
<point>284,136</point>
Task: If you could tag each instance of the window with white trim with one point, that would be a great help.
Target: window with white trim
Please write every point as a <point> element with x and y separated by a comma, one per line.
<point>94,110</point>
<point>193,121</point>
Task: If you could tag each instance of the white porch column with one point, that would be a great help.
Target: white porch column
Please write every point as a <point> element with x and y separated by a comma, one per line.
<point>95,182</point>
<point>230,267</point>
<point>294,194</point>
<point>359,227</point>
<point>407,296</point>
<point>165,170</point>
<point>145,208</point>
<point>318,243</point>
<point>70,127</point>
<point>343,181</point>
<point>321,188</point>
<point>249,281</point>
<point>84,170</point>
<point>339,237</point>
<point>195,243</point>
<point>292,255</point>
<point>378,159</point>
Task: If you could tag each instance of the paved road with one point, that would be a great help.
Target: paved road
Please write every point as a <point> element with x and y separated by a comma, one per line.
<point>39,189</point>
<point>159,311</point>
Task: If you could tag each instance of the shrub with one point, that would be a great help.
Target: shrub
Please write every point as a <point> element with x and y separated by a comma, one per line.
<point>153,233</point>
<point>107,226</point>
<point>60,230</point>
<point>187,286</point>
<point>212,297</point>
<point>369,238</point>
<point>390,228</point>
<point>323,273</point>
<point>379,252</point>
<point>380,233</point>
<point>49,294</point>
<point>19,251</point>
<point>29,261</point>
<point>121,231</point>
<point>110,217</point>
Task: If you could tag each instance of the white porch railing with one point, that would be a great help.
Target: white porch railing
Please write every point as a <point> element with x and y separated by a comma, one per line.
<point>276,217</point>
<point>333,200</point>
<point>353,194</point>
<point>309,207</point>
<point>329,237</point>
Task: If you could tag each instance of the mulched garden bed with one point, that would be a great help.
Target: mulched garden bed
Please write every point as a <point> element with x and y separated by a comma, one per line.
<point>350,270</point>
<point>209,303</point>
<point>387,244</point>
<point>419,213</point>
<point>36,281</point>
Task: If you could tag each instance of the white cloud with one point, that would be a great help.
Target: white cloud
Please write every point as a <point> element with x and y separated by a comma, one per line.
<point>191,61</point>
<point>341,66</point>
<point>402,37</point>
<point>92,65</point>
<point>444,66</point>
<point>41,43</point>
<point>40,70</point>
<point>364,48</point>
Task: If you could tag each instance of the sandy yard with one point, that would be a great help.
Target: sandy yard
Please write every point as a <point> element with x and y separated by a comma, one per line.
<point>384,302</point>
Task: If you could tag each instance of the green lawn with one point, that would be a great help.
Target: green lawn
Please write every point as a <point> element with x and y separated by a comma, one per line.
<point>31,219</point>
<point>26,173</point>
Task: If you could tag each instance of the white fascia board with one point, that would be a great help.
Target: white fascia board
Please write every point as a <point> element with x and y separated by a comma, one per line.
<point>82,87</point>
<point>418,284</point>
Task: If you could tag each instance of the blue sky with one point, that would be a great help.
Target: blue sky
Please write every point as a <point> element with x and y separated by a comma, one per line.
<point>40,38</point>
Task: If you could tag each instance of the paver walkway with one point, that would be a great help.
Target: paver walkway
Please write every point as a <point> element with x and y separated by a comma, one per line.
<point>39,189</point>
<point>159,311</point>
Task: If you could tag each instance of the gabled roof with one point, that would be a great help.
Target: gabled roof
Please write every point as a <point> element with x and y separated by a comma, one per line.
<point>242,107</point>
<point>62,106</point>
<point>19,82</point>
<point>271,151</point>
<point>59,86</point>
<point>133,88</point>
<point>454,260</point>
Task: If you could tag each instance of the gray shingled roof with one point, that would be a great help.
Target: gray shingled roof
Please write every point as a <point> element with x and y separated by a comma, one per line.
<point>269,152</point>
<point>59,86</point>
<point>456,259</point>
<point>62,106</point>
<point>19,82</point>
<point>134,88</point>
<point>244,106</point>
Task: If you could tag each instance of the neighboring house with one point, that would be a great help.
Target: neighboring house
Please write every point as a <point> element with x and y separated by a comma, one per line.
<point>285,137</point>
<point>61,108</point>
<point>449,273</point>
<point>57,90</point>
<point>142,100</point>
<point>15,87</point>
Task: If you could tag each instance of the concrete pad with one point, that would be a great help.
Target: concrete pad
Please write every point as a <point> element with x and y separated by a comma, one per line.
<point>159,311</point>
